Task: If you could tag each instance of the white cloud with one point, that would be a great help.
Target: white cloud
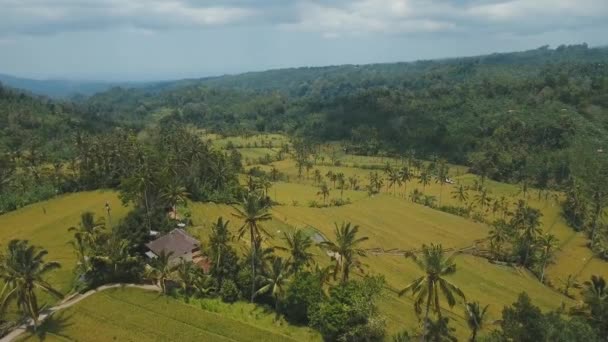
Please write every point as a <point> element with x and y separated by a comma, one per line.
<point>540,9</point>
<point>366,16</point>
<point>37,16</point>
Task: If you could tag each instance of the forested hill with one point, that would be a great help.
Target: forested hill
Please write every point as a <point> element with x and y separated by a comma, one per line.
<point>38,127</point>
<point>497,112</point>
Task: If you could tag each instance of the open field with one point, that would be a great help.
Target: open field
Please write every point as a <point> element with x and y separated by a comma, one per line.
<point>137,315</point>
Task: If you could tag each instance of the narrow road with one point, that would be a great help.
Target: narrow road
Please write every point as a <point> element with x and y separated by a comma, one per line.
<point>66,303</point>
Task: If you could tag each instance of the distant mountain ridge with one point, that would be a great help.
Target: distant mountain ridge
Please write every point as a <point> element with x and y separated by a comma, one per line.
<point>63,89</point>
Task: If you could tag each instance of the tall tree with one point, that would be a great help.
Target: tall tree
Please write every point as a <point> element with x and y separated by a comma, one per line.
<point>275,281</point>
<point>160,269</point>
<point>428,288</point>
<point>298,243</point>
<point>547,245</point>
<point>475,317</point>
<point>345,250</point>
<point>22,270</point>
<point>323,191</point>
<point>253,211</point>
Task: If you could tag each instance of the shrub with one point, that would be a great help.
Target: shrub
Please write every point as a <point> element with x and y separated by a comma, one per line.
<point>229,292</point>
<point>303,293</point>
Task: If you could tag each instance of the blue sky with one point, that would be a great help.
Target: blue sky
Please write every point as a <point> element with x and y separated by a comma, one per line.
<point>167,39</point>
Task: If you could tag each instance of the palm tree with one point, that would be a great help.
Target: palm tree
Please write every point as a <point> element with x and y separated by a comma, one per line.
<point>345,251</point>
<point>186,275</point>
<point>460,194</point>
<point>527,221</point>
<point>317,176</point>
<point>441,177</point>
<point>498,235</point>
<point>547,244</point>
<point>596,290</point>
<point>394,178</point>
<point>160,269</point>
<point>81,249</point>
<point>323,191</point>
<point>174,193</point>
<point>253,211</point>
<point>276,281</point>
<point>424,179</point>
<point>475,316</point>
<point>330,176</point>
<point>298,244</point>
<point>22,270</point>
<point>482,197</point>
<point>427,289</point>
<point>88,228</point>
<point>405,176</point>
<point>341,183</point>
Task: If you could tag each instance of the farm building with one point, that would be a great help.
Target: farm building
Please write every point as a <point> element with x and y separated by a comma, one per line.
<point>182,245</point>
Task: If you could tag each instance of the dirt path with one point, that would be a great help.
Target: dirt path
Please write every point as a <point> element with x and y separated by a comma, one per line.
<point>66,303</point>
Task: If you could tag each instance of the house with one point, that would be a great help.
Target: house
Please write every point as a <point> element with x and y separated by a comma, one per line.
<point>182,245</point>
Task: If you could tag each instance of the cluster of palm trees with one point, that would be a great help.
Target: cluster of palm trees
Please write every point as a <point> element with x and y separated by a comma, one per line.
<point>102,255</point>
<point>521,239</point>
<point>344,251</point>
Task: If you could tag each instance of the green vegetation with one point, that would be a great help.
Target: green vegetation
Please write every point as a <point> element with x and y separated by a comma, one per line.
<point>136,315</point>
<point>488,173</point>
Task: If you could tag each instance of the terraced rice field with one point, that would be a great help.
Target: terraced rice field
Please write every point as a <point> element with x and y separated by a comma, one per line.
<point>138,315</point>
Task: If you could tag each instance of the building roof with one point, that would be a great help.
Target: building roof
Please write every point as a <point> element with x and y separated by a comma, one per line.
<point>177,241</point>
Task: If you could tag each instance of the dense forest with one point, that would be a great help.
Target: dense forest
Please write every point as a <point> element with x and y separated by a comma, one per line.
<point>509,116</point>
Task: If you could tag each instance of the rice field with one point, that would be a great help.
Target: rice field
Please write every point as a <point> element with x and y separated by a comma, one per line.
<point>391,221</point>
<point>137,315</point>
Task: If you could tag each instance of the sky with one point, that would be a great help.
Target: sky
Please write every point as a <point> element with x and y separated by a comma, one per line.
<point>143,40</point>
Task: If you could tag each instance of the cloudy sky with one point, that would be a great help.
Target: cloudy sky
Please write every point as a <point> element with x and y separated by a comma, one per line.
<point>166,39</point>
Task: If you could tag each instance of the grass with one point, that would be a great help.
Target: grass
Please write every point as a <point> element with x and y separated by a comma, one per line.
<point>137,315</point>
<point>46,224</point>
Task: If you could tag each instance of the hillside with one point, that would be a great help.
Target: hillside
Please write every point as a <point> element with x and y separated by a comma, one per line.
<point>511,108</point>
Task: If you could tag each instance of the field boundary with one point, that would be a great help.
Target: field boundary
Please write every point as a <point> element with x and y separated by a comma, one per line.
<point>68,302</point>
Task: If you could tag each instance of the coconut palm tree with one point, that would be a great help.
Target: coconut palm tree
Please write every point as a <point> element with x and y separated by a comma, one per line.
<point>482,197</point>
<point>547,243</point>
<point>317,176</point>
<point>405,176</point>
<point>253,212</point>
<point>275,281</point>
<point>22,270</point>
<point>186,273</point>
<point>159,270</point>
<point>475,316</point>
<point>427,289</point>
<point>527,222</point>
<point>174,193</point>
<point>345,251</point>
<point>88,229</point>
<point>394,178</point>
<point>298,243</point>
<point>323,191</point>
<point>498,235</point>
<point>460,194</point>
<point>341,183</point>
<point>425,179</point>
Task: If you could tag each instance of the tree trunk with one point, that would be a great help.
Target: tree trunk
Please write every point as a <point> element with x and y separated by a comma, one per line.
<point>253,248</point>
